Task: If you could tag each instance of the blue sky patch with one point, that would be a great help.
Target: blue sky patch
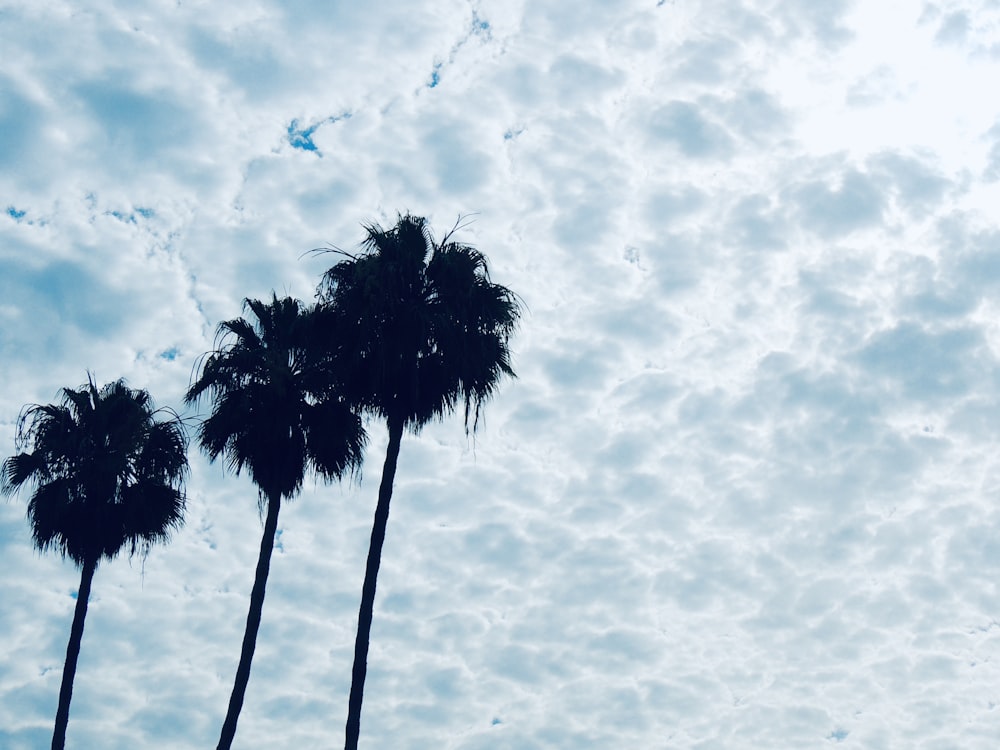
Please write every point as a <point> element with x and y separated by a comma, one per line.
<point>121,216</point>
<point>15,214</point>
<point>435,76</point>
<point>479,26</point>
<point>301,138</point>
<point>130,217</point>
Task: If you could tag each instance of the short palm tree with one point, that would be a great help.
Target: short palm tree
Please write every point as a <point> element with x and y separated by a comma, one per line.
<point>274,412</point>
<point>419,328</point>
<point>108,474</point>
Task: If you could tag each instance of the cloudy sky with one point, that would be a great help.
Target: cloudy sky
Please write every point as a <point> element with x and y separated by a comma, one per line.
<point>744,491</point>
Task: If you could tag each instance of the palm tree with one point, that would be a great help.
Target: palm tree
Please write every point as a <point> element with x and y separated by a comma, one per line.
<point>420,328</point>
<point>107,475</point>
<point>275,413</point>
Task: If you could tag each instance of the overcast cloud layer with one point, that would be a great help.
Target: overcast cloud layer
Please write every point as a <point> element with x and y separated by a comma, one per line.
<point>744,491</point>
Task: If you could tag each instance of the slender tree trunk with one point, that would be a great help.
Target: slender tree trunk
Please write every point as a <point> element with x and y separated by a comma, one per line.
<point>368,591</point>
<point>72,654</point>
<point>253,624</point>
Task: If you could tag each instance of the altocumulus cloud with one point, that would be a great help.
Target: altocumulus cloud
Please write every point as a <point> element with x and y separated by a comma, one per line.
<point>743,492</point>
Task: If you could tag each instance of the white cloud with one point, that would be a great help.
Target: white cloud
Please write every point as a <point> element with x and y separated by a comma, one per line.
<point>741,494</point>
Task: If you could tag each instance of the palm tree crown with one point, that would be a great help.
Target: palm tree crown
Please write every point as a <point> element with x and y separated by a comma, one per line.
<point>420,324</point>
<point>275,410</point>
<point>108,475</point>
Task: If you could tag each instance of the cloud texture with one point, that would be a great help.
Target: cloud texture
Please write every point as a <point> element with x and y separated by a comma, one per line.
<point>742,494</point>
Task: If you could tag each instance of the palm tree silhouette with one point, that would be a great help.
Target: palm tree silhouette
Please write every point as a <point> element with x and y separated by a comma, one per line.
<point>420,328</point>
<point>275,412</point>
<point>107,475</point>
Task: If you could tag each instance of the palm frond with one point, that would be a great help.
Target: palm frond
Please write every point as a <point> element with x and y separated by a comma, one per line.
<point>21,469</point>
<point>150,511</point>
<point>50,515</point>
<point>335,438</point>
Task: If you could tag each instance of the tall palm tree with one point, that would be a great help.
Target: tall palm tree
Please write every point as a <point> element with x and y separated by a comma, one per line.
<point>420,328</point>
<point>108,474</point>
<point>275,413</point>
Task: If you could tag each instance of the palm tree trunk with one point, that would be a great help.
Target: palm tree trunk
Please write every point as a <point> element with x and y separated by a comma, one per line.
<point>368,591</point>
<point>253,624</point>
<point>72,654</point>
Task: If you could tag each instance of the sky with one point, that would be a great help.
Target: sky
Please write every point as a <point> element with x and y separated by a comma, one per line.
<point>744,490</point>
